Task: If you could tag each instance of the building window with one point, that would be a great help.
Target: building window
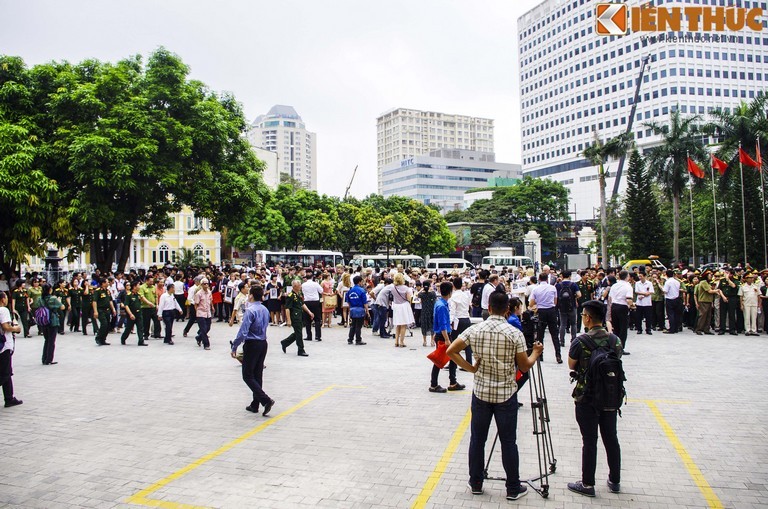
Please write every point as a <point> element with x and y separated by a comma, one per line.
<point>163,252</point>
<point>198,250</point>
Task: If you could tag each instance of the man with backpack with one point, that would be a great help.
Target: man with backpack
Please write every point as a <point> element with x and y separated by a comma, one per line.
<point>595,362</point>
<point>567,294</point>
<point>357,299</point>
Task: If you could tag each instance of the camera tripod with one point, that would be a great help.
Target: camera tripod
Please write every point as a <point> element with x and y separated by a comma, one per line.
<point>540,415</point>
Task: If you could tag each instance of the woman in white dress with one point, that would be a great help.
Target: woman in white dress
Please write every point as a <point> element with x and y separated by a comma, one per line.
<point>402,314</point>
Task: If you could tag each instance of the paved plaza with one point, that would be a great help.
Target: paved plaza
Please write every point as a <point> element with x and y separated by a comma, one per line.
<point>355,427</point>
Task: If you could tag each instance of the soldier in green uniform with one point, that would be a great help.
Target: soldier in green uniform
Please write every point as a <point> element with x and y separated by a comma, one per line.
<point>294,304</point>
<point>657,301</point>
<point>102,305</point>
<point>87,303</point>
<point>729,301</point>
<point>62,294</point>
<point>20,304</point>
<point>35,292</point>
<point>76,305</point>
<point>132,306</point>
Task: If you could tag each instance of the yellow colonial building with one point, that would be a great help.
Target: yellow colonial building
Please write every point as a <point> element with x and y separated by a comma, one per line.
<point>148,251</point>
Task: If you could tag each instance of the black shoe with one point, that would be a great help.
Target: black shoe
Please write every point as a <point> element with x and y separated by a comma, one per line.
<point>699,333</point>
<point>318,339</point>
<point>476,489</point>
<point>649,333</point>
<point>734,333</point>
<point>122,341</point>
<point>169,342</point>
<point>625,353</point>
<point>12,402</point>
<point>268,407</point>
<point>562,343</point>
<point>360,343</point>
<point>437,388</point>
<point>559,360</point>
<point>614,487</point>
<point>307,340</point>
<point>141,343</point>
<point>303,354</point>
<point>386,336</point>
<point>251,408</point>
<point>199,343</point>
<point>52,363</point>
<point>578,487</point>
<point>456,387</point>
<point>283,346</point>
<point>516,495</point>
<point>721,333</point>
<point>639,332</point>
<point>519,405</point>
<point>349,342</point>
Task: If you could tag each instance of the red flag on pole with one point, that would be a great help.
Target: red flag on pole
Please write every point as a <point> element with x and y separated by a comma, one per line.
<point>758,156</point>
<point>719,165</point>
<point>694,169</point>
<point>745,159</point>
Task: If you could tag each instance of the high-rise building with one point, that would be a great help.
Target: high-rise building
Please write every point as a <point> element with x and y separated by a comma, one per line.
<point>404,133</point>
<point>283,132</point>
<point>442,176</point>
<point>575,83</point>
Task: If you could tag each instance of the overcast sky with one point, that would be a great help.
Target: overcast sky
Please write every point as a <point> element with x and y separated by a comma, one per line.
<point>340,63</point>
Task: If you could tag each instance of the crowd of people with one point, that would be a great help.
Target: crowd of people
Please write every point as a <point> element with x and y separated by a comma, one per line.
<point>513,307</point>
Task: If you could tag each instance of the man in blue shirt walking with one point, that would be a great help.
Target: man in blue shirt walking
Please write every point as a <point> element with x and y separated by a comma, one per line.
<point>253,336</point>
<point>358,308</point>
<point>442,330</point>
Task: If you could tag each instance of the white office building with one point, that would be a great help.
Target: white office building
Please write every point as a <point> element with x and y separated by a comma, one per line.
<point>443,176</point>
<point>283,132</point>
<point>574,82</point>
<point>403,133</point>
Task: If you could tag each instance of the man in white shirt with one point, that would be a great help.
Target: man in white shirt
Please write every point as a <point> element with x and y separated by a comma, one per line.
<point>544,299</point>
<point>312,292</point>
<point>673,302</point>
<point>191,308</point>
<point>488,289</point>
<point>750,299</point>
<point>620,299</point>
<point>644,290</point>
<point>458,307</point>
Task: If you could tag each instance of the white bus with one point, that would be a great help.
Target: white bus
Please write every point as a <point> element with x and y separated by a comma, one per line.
<point>379,261</point>
<point>448,264</point>
<point>506,261</point>
<point>305,257</point>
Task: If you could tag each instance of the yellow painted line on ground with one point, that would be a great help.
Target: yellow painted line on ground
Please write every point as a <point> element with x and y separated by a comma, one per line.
<point>664,401</point>
<point>437,473</point>
<point>141,498</point>
<point>709,495</point>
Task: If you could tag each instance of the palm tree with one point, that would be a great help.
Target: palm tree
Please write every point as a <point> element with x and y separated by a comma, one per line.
<point>598,154</point>
<point>188,258</point>
<point>668,162</point>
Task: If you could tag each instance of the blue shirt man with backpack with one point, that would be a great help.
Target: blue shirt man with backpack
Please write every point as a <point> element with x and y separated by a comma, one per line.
<point>595,362</point>
<point>567,293</point>
<point>357,298</point>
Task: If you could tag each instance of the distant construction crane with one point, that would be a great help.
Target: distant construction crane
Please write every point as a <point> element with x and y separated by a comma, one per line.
<point>629,124</point>
<point>350,182</point>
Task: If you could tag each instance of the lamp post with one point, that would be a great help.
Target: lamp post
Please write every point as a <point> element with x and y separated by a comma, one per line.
<point>387,230</point>
<point>252,246</point>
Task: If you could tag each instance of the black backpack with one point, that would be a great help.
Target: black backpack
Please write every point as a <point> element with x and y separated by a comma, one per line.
<point>604,375</point>
<point>565,297</point>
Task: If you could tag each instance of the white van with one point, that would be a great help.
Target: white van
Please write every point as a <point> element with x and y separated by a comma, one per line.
<point>506,261</point>
<point>448,264</point>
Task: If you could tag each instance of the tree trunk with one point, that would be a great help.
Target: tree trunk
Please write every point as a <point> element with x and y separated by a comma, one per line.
<point>676,227</point>
<point>603,220</point>
<point>125,252</point>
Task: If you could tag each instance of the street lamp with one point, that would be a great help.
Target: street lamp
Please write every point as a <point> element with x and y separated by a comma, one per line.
<point>252,246</point>
<point>387,230</point>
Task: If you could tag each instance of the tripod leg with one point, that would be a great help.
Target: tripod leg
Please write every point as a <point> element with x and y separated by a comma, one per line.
<point>547,436</point>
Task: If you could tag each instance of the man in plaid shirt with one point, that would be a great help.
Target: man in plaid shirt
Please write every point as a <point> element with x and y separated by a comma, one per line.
<point>499,349</point>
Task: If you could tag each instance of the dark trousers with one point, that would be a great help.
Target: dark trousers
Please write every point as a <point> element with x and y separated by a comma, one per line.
<point>314,306</point>
<point>705,317</point>
<point>74,319</point>
<point>548,320</point>
<point>658,314</point>
<point>204,325</point>
<point>644,313</point>
<point>149,316</point>
<point>24,319</point>
<point>296,336</point>
<point>436,371</point>
<point>355,329</point>
<point>675,314</point>
<point>463,325</point>
<point>180,299</point>
<point>589,421</point>
<point>381,313</point>
<point>728,312</point>
<point>62,319</point>
<point>254,353</point>
<point>568,321</point>
<point>101,334</point>
<point>6,373</point>
<point>85,318</point>
<point>192,319</point>
<point>169,316</point>
<point>375,314</point>
<point>505,415</point>
<point>477,312</point>
<point>139,322</point>
<point>49,345</point>
<point>620,321</point>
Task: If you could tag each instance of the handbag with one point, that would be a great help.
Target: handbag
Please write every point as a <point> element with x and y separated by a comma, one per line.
<point>439,356</point>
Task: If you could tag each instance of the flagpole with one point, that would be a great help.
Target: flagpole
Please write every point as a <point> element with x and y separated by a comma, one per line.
<point>743,208</point>
<point>762,195</point>
<point>714,206</point>
<point>690,193</point>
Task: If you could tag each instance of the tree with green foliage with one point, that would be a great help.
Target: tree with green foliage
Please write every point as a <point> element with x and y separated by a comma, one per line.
<point>641,209</point>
